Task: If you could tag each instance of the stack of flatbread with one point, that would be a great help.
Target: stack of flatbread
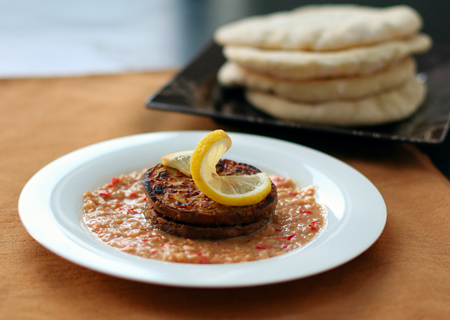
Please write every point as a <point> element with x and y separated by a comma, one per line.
<point>343,65</point>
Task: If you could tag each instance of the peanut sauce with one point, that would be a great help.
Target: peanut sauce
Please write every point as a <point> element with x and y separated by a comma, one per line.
<point>114,213</point>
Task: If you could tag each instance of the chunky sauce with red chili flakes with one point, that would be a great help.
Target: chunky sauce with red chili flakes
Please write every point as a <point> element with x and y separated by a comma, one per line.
<point>114,214</point>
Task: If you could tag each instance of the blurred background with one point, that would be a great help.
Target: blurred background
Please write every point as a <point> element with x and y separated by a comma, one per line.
<point>82,37</point>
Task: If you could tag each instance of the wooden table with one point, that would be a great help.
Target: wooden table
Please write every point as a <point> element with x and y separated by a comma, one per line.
<point>404,275</point>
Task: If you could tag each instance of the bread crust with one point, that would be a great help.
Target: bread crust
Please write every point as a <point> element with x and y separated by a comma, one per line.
<point>384,107</point>
<point>318,90</point>
<point>321,28</point>
<point>306,65</point>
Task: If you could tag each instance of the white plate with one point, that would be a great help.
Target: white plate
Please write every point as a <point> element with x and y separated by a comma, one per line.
<point>50,207</point>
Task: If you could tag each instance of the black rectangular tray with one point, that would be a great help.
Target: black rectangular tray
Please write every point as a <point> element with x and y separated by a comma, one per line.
<point>195,90</point>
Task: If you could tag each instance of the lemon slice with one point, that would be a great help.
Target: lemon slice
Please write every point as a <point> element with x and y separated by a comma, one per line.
<point>179,160</point>
<point>239,190</point>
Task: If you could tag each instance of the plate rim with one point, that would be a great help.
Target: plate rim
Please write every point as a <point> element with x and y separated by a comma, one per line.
<point>107,147</point>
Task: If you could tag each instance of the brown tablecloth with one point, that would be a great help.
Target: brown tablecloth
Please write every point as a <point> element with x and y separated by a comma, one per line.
<point>404,275</point>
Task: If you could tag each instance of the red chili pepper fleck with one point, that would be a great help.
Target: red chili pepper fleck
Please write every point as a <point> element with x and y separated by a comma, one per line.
<point>105,193</point>
<point>131,210</point>
<point>312,225</point>
<point>264,246</point>
<point>114,181</point>
<point>292,236</point>
<point>144,240</point>
<point>305,211</point>
<point>133,195</point>
<point>278,230</point>
<point>144,198</point>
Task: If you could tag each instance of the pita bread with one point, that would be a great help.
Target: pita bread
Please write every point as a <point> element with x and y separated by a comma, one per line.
<point>384,107</point>
<point>231,74</point>
<point>301,65</point>
<point>321,28</point>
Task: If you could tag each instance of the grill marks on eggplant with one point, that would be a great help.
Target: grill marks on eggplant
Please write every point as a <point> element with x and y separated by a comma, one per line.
<point>175,205</point>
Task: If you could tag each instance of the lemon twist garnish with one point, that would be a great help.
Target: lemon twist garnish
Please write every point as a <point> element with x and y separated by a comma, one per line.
<point>239,190</point>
